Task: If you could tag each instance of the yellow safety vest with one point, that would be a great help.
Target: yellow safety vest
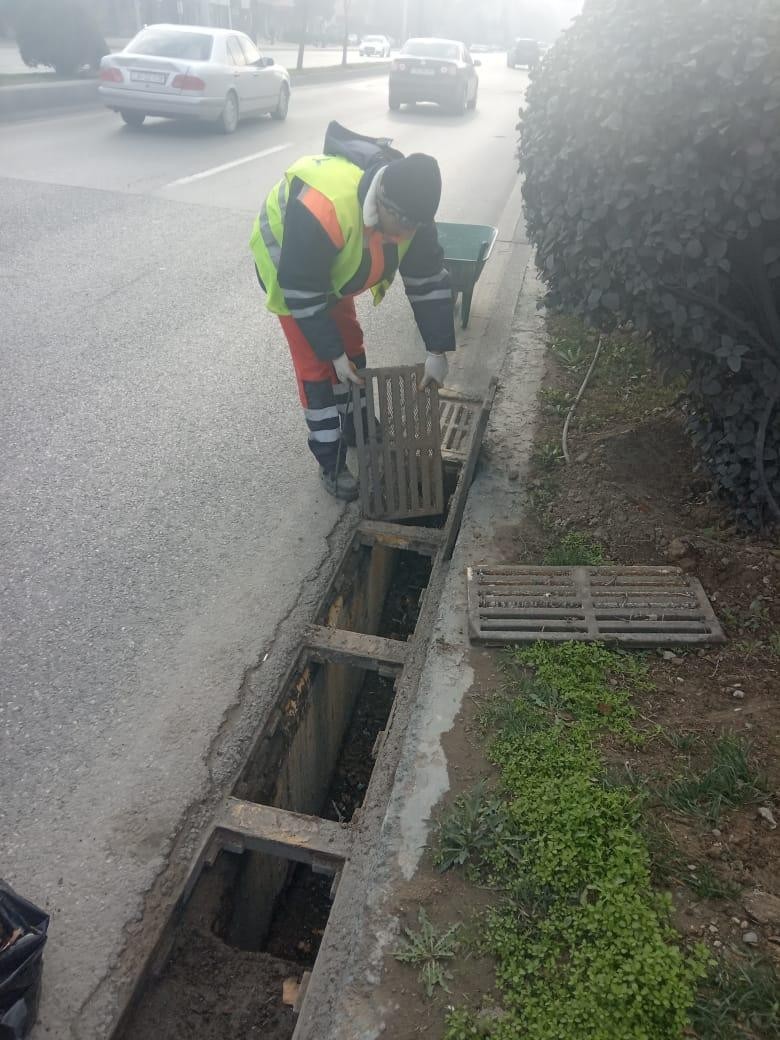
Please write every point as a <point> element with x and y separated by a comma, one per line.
<point>337,179</point>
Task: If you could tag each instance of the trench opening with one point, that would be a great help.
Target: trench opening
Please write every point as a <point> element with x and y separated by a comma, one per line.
<point>255,921</point>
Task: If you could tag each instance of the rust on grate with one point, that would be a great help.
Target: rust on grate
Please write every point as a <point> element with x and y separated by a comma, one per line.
<point>635,606</point>
<point>457,417</point>
<point>399,452</point>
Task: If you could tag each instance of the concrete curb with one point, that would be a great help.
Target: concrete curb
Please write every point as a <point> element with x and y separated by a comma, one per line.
<point>329,73</point>
<point>37,98</point>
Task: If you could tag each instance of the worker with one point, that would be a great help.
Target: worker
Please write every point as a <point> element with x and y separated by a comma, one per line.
<point>336,225</point>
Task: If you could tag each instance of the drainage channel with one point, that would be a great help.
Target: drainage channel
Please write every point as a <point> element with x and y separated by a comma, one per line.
<point>235,957</point>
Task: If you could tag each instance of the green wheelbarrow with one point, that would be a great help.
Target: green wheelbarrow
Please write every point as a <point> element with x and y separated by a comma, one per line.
<point>467,248</point>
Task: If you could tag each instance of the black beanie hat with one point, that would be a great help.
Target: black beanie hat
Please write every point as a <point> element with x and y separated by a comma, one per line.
<point>413,185</point>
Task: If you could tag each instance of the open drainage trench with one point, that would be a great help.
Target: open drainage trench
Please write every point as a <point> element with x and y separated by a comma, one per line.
<point>254,919</point>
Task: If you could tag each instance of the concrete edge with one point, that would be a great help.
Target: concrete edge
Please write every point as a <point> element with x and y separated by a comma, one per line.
<point>18,100</point>
<point>330,73</point>
<point>25,98</point>
<point>422,777</point>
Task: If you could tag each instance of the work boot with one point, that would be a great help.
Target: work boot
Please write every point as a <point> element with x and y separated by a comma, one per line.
<point>341,485</point>
<point>348,434</point>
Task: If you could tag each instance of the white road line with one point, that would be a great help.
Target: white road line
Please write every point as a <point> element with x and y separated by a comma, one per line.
<point>228,165</point>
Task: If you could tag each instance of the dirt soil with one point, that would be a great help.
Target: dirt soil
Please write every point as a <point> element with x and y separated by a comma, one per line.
<point>634,488</point>
<point>218,993</point>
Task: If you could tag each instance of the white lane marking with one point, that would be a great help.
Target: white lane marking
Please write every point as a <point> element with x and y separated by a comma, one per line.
<point>228,165</point>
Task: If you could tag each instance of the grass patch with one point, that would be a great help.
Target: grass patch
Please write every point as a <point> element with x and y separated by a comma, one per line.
<point>555,401</point>
<point>584,946</point>
<point>730,781</point>
<point>429,950</point>
<point>738,1001</point>
<point>576,550</point>
<point>708,885</point>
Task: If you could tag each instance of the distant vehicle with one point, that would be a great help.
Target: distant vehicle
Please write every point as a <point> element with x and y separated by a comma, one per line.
<point>188,72</point>
<point>434,70</point>
<point>375,47</point>
<point>479,48</point>
<point>523,52</point>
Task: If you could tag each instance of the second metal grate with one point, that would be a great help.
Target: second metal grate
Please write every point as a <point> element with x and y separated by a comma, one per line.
<point>399,453</point>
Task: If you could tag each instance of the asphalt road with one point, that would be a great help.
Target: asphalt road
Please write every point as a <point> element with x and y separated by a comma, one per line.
<point>160,510</point>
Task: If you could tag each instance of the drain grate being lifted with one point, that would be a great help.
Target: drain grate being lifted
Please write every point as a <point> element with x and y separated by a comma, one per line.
<point>399,458</point>
<point>457,417</point>
<point>635,606</point>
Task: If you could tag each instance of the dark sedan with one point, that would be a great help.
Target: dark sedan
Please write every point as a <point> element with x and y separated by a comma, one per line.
<point>523,52</point>
<point>442,71</point>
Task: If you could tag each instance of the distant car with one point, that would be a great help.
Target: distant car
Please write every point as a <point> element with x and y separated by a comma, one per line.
<point>374,47</point>
<point>434,70</point>
<point>190,72</point>
<point>523,52</point>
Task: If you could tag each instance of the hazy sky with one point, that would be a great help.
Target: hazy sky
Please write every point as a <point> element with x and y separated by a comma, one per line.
<point>566,9</point>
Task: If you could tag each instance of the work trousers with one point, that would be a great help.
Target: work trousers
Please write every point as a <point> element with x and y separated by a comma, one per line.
<point>323,397</point>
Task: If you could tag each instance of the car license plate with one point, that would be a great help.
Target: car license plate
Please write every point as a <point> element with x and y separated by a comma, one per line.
<point>423,72</point>
<point>147,77</point>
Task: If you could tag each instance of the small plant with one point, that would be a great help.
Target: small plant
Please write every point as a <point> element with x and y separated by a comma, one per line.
<point>748,648</point>
<point>427,950</point>
<point>681,740</point>
<point>570,354</point>
<point>547,456</point>
<point>738,1000</point>
<point>469,828</point>
<point>706,883</point>
<point>730,781</point>
<point>555,401</point>
<point>774,644</point>
<point>575,550</point>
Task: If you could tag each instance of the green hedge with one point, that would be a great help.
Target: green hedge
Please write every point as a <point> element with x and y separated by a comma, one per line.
<point>650,145</point>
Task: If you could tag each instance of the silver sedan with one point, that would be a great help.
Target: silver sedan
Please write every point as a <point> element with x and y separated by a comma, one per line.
<point>188,71</point>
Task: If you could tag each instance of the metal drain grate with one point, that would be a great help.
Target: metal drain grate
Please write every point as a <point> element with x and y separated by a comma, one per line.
<point>638,606</point>
<point>399,459</point>
<point>457,419</point>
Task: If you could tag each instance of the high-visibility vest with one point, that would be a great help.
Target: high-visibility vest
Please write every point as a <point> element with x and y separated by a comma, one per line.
<point>337,179</point>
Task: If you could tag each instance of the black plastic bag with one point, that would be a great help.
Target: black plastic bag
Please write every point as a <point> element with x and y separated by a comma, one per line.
<point>22,938</point>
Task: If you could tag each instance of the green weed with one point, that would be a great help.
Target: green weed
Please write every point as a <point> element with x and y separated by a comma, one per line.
<point>555,401</point>
<point>583,944</point>
<point>472,825</point>
<point>774,644</point>
<point>571,354</point>
<point>547,456</point>
<point>681,740</point>
<point>575,550</point>
<point>731,780</point>
<point>427,950</point>
<point>593,683</point>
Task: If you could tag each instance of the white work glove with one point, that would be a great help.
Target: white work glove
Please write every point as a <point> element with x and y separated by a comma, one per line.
<point>436,369</point>
<point>346,371</point>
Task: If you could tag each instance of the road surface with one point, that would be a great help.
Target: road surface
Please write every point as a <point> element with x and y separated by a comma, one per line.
<point>160,510</point>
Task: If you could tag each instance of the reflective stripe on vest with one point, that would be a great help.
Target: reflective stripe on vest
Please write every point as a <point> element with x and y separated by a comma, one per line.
<point>337,180</point>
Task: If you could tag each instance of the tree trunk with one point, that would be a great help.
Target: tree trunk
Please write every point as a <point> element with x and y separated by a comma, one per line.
<point>304,7</point>
<point>346,33</point>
